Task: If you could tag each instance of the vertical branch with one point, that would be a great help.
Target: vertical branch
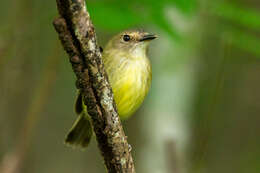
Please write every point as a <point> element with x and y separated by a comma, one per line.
<point>78,38</point>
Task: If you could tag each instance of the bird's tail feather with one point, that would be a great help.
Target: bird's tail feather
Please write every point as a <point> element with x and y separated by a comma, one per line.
<point>81,132</point>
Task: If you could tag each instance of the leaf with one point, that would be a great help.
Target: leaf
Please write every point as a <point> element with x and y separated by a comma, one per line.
<point>160,21</point>
<point>185,6</point>
<point>245,41</point>
<point>118,15</point>
<point>112,16</point>
<point>244,16</point>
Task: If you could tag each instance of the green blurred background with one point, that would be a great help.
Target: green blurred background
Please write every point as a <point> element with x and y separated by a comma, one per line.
<point>202,114</point>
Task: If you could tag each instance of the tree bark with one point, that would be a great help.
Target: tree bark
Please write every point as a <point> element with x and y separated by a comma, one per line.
<point>78,38</point>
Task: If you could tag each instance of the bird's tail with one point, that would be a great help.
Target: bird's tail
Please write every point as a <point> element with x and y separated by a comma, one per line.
<point>81,132</point>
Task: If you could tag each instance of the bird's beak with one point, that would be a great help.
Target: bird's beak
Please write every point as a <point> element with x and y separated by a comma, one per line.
<point>148,37</point>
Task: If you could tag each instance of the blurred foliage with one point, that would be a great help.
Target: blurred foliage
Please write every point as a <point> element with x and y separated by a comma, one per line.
<point>242,15</point>
<point>247,23</point>
<point>205,65</point>
<point>124,14</point>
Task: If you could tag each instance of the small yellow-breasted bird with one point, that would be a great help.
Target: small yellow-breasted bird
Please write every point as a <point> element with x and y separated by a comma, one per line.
<point>129,73</point>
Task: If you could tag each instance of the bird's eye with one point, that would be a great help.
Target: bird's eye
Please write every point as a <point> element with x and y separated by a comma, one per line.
<point>126,38</point>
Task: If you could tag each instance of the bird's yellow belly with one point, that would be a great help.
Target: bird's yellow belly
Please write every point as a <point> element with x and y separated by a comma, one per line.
<point>130,88</point>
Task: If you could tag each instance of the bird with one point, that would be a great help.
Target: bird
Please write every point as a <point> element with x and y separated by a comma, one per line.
<point>129,72</point>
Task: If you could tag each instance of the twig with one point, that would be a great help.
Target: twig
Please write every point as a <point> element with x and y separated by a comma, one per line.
<point>78,38</point>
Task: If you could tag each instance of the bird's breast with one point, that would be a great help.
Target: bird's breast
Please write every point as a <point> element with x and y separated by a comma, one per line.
<point>130,81</point>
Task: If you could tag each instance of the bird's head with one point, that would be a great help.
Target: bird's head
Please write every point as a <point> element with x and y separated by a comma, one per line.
<point>132,42</point>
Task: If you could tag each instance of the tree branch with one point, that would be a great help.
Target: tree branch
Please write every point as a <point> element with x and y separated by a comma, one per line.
<point>78,38</point>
